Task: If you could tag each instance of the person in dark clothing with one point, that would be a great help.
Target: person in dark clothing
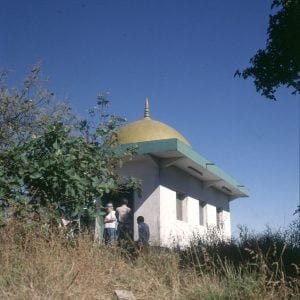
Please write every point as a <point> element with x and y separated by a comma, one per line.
<point>124,218</point>
<point>144,232</point>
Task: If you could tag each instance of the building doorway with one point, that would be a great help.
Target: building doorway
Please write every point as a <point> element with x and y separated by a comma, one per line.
<point>116,198</point>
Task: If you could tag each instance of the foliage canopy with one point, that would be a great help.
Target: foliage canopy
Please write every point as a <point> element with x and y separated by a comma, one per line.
<point>279,63</point>
<point>50,161</point>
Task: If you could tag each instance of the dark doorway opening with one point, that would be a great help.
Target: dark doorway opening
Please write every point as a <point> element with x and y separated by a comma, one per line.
<point>116,198</point>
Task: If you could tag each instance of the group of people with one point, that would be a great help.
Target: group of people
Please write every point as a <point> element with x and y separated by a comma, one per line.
<point>118,225</point>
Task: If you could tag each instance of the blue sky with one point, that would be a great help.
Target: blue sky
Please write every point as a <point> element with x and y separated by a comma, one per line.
<point>182,55</point>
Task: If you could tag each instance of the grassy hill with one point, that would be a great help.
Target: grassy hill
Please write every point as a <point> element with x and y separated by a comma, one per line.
<point>38,263</point>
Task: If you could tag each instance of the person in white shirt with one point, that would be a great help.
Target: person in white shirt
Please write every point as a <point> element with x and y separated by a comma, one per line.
<point>110,224</point>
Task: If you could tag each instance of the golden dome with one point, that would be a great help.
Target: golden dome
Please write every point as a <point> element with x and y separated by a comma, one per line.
<point>147,130</point>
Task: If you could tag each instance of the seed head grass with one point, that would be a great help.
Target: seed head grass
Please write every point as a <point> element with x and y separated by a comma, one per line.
<point>39,263</point>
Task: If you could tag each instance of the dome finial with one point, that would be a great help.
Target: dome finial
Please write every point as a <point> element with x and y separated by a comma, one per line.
<point>147,109</point>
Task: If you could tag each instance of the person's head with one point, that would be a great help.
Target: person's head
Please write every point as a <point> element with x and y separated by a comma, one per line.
<point>140,219</point>
<point>125,201</point>
<point>109,207</point>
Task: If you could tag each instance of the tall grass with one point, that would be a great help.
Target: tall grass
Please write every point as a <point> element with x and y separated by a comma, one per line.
<point>38,263</point>
<point>256,266</point>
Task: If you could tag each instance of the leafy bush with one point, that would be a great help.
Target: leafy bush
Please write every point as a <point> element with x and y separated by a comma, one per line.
<point>51,161</point>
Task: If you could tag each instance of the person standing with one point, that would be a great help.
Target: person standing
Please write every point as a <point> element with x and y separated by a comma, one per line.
<point>110,221</point>
<point>144,232</point>
<point>124,218</point>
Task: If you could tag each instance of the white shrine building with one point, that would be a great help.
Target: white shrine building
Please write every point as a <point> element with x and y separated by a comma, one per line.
<point>183,193</point>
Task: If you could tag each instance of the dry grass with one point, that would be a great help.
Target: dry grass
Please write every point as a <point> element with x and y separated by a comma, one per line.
<point>36,264</point>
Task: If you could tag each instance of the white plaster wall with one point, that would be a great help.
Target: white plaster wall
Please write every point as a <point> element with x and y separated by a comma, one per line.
<point>148,205</point>
<point>158,202</point>
<point>193,211</point>
<point>176,232</point>
<point>178,180</point>
<point>227,224</point>
<point>167,215</point>
<point>211,212</point>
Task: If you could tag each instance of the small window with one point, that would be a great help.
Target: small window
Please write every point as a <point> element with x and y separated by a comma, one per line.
<point>202,214</point>
<point>220,223</point>
<point>179,206</point>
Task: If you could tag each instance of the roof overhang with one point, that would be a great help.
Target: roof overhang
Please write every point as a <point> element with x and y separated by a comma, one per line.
<point>173,152</point>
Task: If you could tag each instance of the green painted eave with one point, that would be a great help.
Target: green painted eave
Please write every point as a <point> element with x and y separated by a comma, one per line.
<point>171,145</point>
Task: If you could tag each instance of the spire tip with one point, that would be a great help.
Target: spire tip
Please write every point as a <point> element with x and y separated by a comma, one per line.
<point>147,109</point>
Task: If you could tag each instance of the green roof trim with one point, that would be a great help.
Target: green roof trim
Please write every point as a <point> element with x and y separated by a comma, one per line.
<point>170,145</point>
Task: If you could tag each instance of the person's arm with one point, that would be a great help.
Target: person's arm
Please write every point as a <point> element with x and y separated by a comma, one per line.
<point>110,218</point>
<point>107,219</point>
<point>113,216</point>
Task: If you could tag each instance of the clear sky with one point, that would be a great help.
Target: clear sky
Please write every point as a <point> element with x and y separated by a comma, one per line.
<point>182,55</point>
